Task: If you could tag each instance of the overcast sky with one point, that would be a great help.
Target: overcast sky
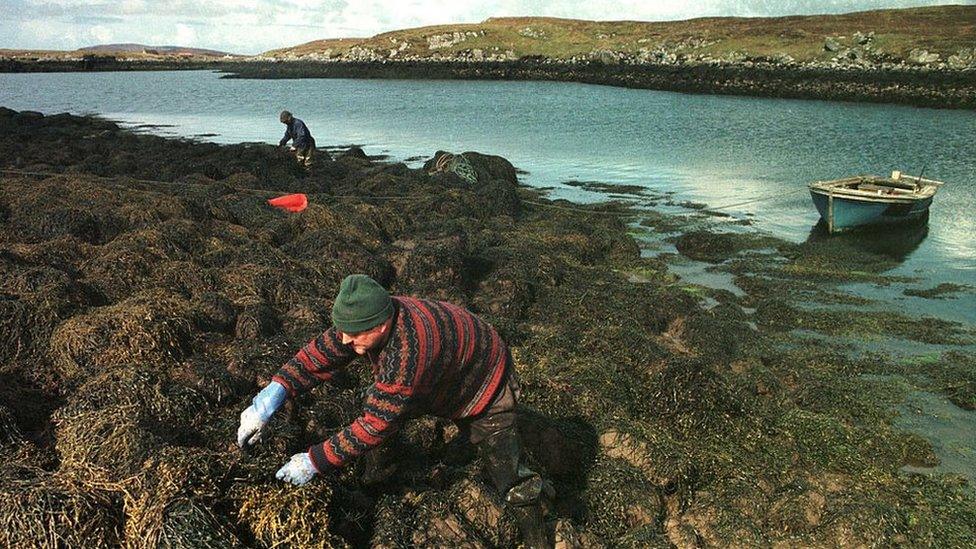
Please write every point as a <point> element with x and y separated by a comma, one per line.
<point>253,26</point>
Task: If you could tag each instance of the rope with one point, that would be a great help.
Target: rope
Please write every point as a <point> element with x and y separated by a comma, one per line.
<point>173,183</point>
<point>753,201</point>
<point>580,210</point>
<point>362,197</point>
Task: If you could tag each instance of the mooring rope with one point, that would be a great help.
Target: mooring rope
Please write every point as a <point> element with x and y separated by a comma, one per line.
<point>575,209</point>
<point>755,200</point>
<point>579,209</point>
<point>175,183</point>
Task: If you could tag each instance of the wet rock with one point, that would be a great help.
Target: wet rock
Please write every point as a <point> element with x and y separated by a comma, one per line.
<point>480,508</point>
<point>354,152</point>
<point>28,117</point>
<point>566,536</point>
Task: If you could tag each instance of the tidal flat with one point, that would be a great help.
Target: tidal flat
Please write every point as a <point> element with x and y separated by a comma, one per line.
<point>149,291</point>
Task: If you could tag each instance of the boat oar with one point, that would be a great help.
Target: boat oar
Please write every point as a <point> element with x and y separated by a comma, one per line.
<point>290,202</point>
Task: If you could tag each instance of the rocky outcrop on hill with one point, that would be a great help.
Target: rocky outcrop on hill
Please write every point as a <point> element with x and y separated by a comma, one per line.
<point>844,80</point>
<point>857,51</point>
<point>854,66</point>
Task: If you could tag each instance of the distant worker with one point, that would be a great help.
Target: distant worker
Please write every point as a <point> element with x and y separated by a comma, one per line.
<point>427,357</point>
<point>301,139</point>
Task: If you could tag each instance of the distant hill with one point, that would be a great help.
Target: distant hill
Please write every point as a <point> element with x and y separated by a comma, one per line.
<point>109,49</point>
<point>924,34</point>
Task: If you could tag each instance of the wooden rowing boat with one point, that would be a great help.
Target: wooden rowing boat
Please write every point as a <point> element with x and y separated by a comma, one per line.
<point>873,200</point>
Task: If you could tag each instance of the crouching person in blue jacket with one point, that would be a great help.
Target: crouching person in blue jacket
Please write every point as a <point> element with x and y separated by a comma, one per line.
<point>301,139</point>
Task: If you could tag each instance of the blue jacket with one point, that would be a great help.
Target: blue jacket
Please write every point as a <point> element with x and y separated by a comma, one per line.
<point>298,132</point>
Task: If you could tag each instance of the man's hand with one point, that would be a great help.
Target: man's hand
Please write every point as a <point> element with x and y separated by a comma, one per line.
<point>298,470</point>
<point>249,433</point>
<point>256,416</point>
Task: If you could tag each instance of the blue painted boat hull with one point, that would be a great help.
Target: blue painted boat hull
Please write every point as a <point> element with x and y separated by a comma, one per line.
<point>850,213</point>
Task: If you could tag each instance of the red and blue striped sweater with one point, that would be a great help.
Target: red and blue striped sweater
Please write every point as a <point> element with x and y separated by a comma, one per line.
<point>440,360</point>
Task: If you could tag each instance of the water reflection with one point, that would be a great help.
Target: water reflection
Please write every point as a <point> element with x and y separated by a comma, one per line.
<point>896,242</point>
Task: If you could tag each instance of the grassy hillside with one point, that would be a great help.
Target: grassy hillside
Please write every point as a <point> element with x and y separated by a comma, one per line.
<point>126,49</point>
<point>944,30</point>
<point>139,52</point>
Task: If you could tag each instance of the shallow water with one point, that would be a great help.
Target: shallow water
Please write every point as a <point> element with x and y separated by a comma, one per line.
<point>950,429</point>
<point>711,149</point>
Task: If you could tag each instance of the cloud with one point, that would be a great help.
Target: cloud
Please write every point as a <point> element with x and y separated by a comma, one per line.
<point>102,34</point>
<point>185,35</point>
<point>253,26</point>
<point>97,20</point>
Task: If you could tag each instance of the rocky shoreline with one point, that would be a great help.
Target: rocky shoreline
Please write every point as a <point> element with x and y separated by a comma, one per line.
<point>939,88</point>
<point>148,290</point>
<point>101,64</point>
<point>922,86</point>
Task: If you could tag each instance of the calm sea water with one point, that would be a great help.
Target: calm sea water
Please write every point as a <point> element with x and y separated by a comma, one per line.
<point>711,149</point>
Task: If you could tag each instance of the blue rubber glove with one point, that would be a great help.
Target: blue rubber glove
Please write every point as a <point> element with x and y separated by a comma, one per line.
<point>298,470</point>
<point>256,416</point>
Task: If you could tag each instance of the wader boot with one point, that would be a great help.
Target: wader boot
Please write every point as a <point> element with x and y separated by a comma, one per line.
<point>519,487</point>
<point>305,157</point>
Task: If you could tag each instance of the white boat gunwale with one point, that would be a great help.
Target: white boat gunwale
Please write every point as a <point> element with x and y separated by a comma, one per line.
<point>840,188</point>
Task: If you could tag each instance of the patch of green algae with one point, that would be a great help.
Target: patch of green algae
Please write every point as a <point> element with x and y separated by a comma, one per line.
<point>811,457</point>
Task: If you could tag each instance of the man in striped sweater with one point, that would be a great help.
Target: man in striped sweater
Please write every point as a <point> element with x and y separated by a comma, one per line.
<point>427,357</point>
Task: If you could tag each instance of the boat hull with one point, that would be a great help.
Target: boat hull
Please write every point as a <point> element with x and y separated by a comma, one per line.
<point>848,213</point>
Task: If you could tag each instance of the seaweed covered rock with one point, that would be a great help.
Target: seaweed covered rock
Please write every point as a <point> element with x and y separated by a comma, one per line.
<point>257,321</point>
<point>26,324</point>
<point>42,509</point>
<point>109,443</point>
<point>433,268</point>
<point>489,175</point>
<point>128,265</point>
<point>117,420</point>
<point>170,504</point>
<point>278,513</point>
<point>152,327</point>
<point>213,312</point>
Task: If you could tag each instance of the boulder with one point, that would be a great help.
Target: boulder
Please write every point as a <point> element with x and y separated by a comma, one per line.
<point>963,59</point>
<point>919,56</point>
<point>863,39</point>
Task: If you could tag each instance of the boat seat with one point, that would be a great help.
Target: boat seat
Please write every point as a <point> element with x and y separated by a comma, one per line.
<point>882,189</point>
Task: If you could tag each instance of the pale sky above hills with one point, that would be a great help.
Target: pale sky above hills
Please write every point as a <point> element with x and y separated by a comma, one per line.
<point>253,26</point>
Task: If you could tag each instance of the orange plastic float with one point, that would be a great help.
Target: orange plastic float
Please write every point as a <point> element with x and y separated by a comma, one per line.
<point>290,202</point>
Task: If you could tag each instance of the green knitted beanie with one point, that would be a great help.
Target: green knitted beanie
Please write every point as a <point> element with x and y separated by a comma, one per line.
<point>361,304</point>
